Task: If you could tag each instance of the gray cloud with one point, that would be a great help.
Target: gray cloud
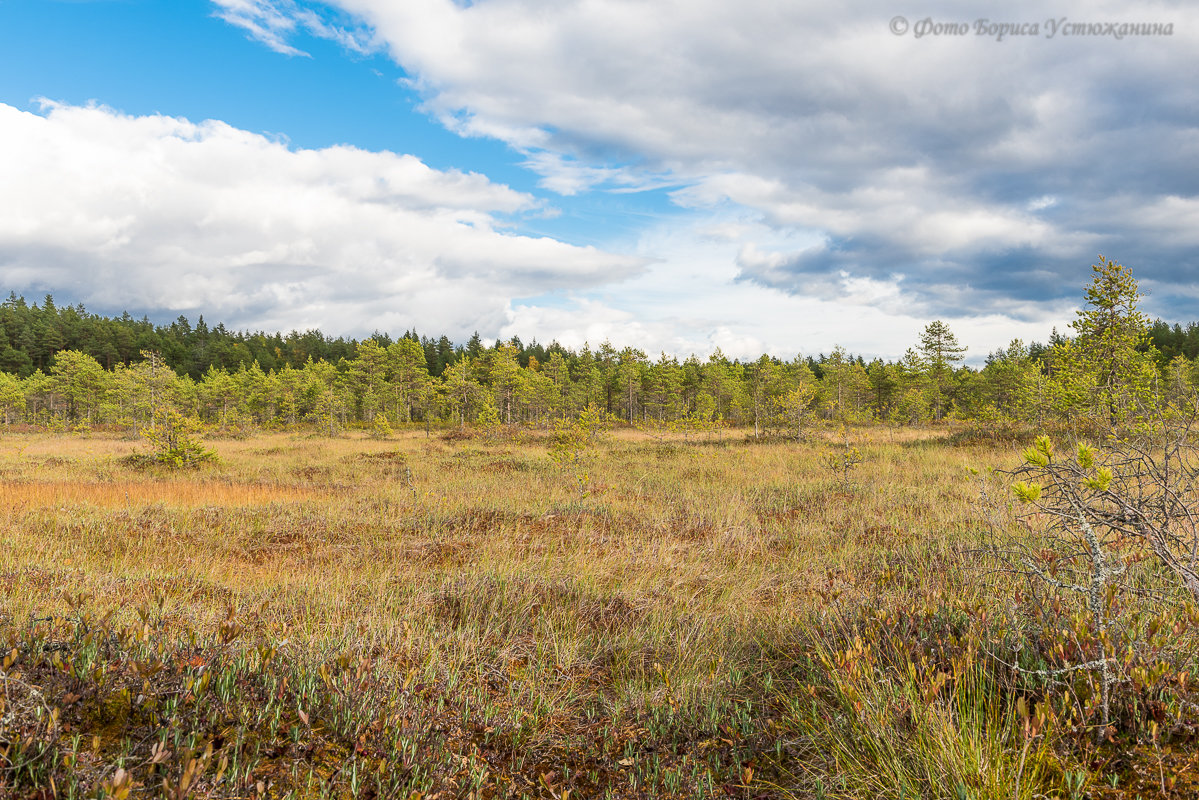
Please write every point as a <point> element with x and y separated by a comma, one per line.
<point>980,169</point>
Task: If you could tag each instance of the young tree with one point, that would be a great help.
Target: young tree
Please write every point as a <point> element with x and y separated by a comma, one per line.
<point>326,395</point>
<point>172,439</point>
<point>911,394</point>
<point>289,394</point>
<point>508,384</point>
<point>883,385</point>
<point>589,379</point>
<point>1007,382</point>
<point>1110,330</point>
<point>722,379</point>
<point>941,351</point>
<point>461,391</point>
<point>218,395</point>
<point>761,376</point>
<point>409,376</point>
<point>558,373</point>
<point>150,384</point>
<point>796,408</point>
<point>368,379</point>
<point>254,392</point>
<point>664,390</point>
<point>1178,381</point>
<point>629,371</point>
<point>12,395</point>
<point>846,386</point>
<point>81,380</point>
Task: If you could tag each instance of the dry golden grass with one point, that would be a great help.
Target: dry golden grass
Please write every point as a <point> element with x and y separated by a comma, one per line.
<point>689,543</point>
<point>39,494</point>
<point>669,610</point>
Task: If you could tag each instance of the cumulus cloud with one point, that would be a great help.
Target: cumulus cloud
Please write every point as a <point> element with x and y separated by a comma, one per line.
<point>976,167</point>
<point>162,212</point>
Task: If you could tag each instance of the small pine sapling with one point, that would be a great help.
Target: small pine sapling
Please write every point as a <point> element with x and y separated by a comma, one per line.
<point>488,420</point>
<point>573,445</point>
<point>380,427</point>
<point>173,442</point>
<point>843,459</point>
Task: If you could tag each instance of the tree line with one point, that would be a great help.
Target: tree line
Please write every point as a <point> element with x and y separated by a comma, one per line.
<point>67,367</point>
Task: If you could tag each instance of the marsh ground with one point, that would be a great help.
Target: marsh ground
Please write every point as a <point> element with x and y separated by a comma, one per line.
<point>431,616</point>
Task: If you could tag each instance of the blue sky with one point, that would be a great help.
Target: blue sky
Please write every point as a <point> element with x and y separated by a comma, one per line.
<point>178,58</point>
<point>679,176</point>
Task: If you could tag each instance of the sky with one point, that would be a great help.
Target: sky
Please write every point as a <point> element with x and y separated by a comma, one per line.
<point>766,176</point>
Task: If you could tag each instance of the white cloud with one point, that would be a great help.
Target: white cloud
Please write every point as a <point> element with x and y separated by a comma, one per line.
<point>838,184</point>
<point>691,302</point>
<point>567,176</point>
<point>160,212</point>
<point>924,151</point>
<point>267,21</point>
<point>273,22</point>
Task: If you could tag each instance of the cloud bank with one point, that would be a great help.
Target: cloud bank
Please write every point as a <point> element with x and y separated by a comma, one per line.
<point>987,173</point>
<point>160,212</point>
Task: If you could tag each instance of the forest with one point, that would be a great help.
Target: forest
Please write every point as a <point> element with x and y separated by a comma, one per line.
<point>66,367</point>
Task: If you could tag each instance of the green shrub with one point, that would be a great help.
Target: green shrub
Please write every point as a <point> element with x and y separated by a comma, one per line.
<point>172,440</point>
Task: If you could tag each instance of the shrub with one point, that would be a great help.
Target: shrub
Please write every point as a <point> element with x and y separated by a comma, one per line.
<point>173,442</point>
<point>1108,550</point>
<point>573,441</point>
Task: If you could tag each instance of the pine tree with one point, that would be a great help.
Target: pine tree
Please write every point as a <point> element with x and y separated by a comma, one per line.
<point>407,364</point>
<point>12,396</point>
<point>941,351</point>
<point>474,347</point>
<point>940,347</point>
<point>1111,331</point>
<point>81,380</point>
